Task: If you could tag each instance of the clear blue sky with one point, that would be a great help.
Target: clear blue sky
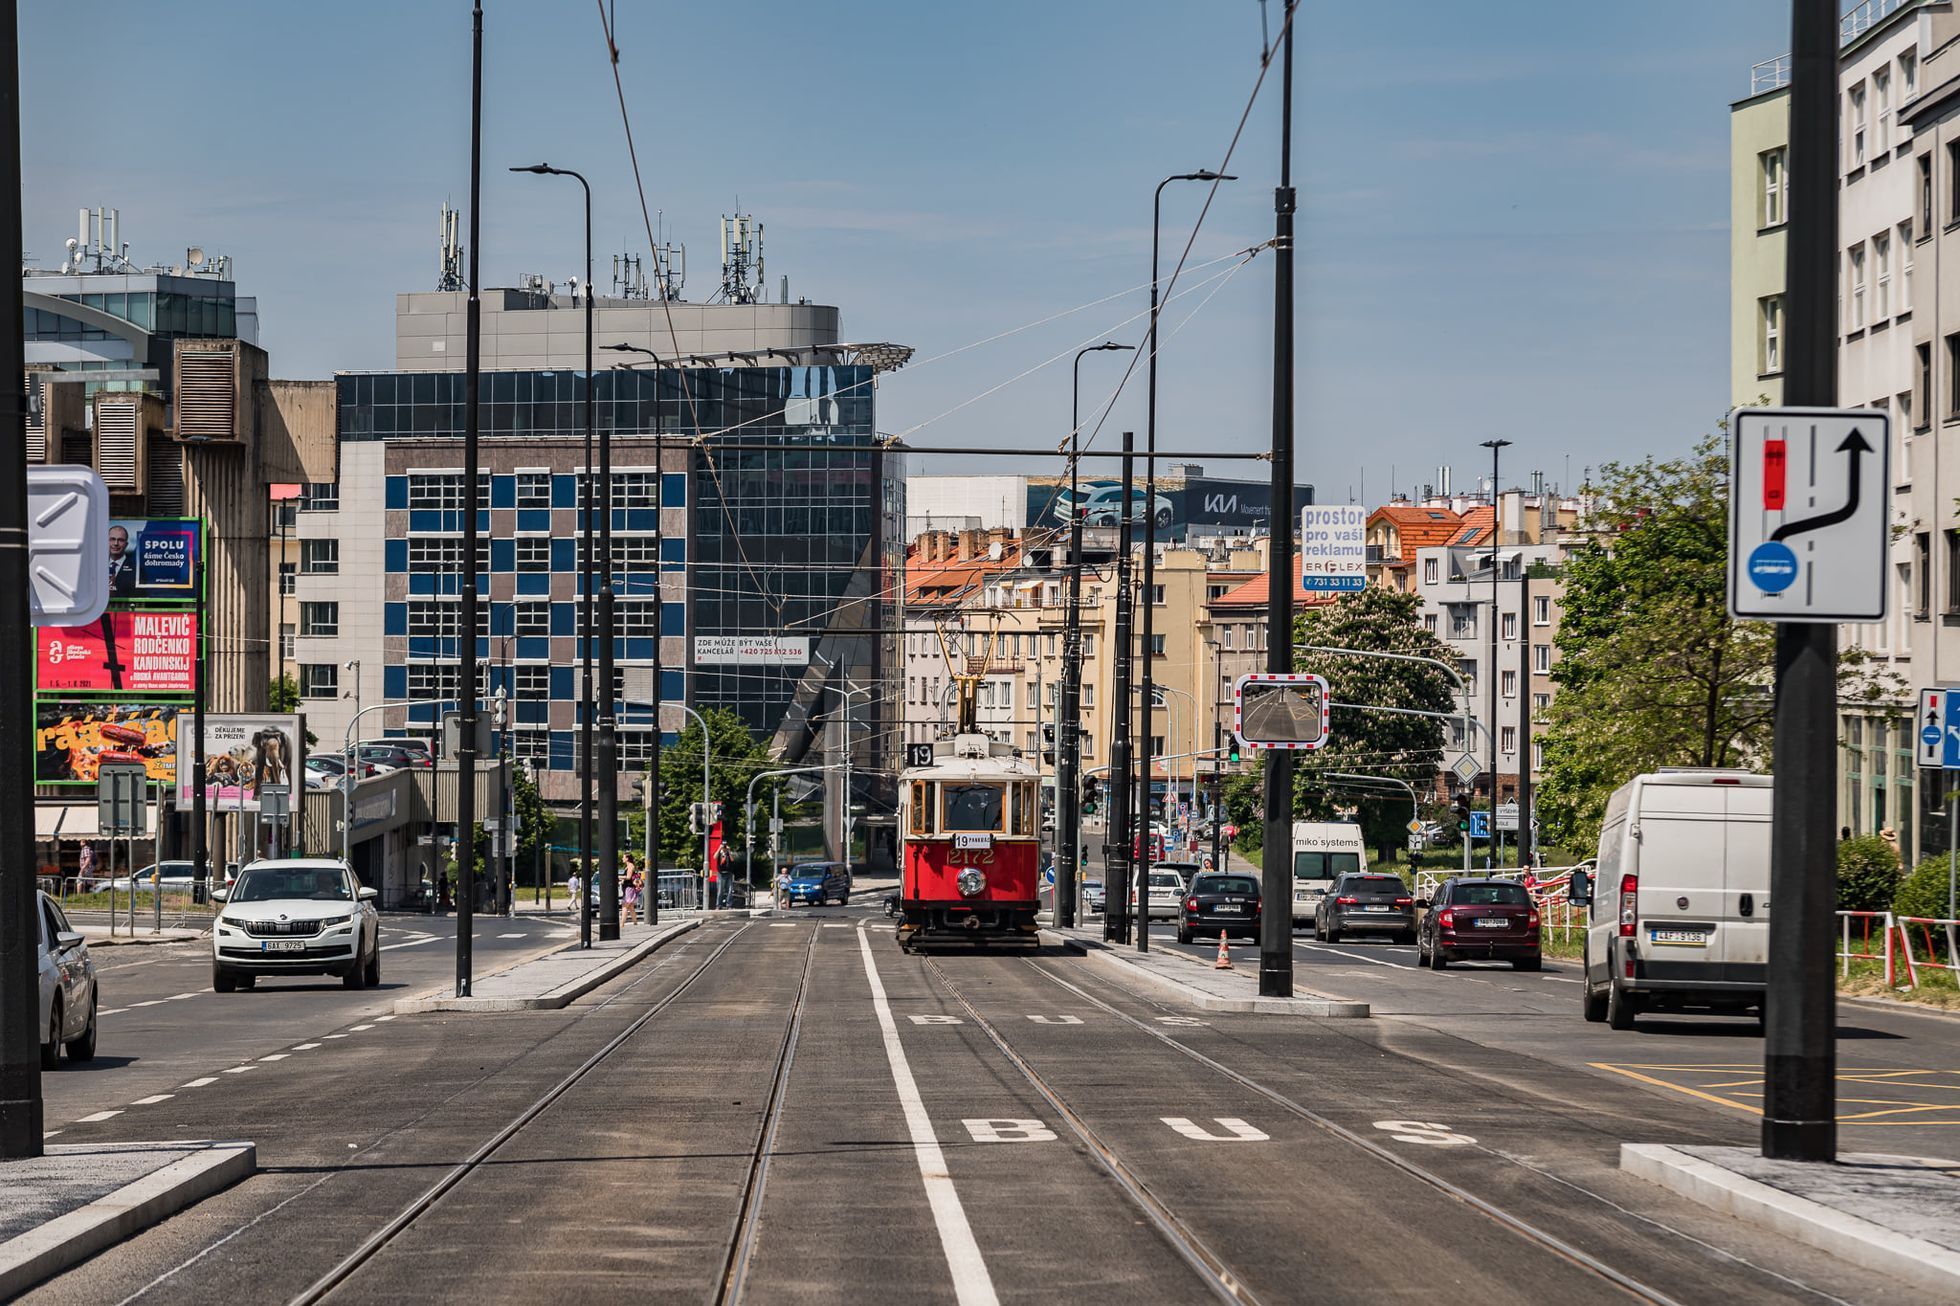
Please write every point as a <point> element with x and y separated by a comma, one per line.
<point>1513,213</point>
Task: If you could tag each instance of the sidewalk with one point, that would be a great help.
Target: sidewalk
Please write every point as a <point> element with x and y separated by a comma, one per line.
<point>1894,1214</point>
<point>1194,982</point>
<point>554,980</point>
<point>77,1199</point>
<point>98,936</point>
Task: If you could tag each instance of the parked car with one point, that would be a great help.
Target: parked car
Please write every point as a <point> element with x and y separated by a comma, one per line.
<point>1166,895</point>
<point>1678,910</point>
<point>69,997</point>
<point>385,757</point>
<point>1366,904</point>
<point>301,916</point>
<point>1219,902</point>
<point>1489,920</point>
<point>1184,871</point>
<point>817,883</point>
<point>421,750</point>
<point>177,877</point>
<point>1092,896</point>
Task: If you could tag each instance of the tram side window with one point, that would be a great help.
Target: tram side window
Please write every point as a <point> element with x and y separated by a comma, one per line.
<point>971,807</point>
<point>919,808</point>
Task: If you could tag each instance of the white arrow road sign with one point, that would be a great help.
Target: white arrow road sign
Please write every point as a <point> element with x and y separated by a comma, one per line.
<point>1809,490</point>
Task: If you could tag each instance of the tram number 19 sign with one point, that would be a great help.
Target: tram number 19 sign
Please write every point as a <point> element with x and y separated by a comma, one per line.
<point>1280,711</point>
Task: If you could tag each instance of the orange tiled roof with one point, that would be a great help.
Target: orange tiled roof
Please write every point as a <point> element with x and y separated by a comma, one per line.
<point>1476,526</point>
<point>1417,528</point>
<point>1256,593</point>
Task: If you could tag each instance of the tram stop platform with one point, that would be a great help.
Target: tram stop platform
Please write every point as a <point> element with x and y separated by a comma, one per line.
<point>1169,973</point>
<point>556,979</point>
<point>61,1208</point>
<point>1893,1214</point>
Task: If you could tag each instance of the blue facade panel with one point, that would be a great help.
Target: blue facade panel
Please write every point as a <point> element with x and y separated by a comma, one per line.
<point>394,619</point>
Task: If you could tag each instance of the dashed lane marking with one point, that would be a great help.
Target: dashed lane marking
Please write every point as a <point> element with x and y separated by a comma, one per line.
<point>98,1116</point>
<point>305,1047</point>
<point>237,1070</point>
<point>382,1019</point>
<point>111,1011</point>
<point>513,936</point>
<point>276,1056</point>
<point>200,1083</point>
<point>1056,1020</point>
<point>972,1284</point>
<point>358,1028</point>
<point>153,1002</point>
<point>334,1036</point>
<point>153,1099</point>
<point>179,997</point>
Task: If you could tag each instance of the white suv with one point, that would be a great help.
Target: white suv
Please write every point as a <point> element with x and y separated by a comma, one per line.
<point>298,916</point>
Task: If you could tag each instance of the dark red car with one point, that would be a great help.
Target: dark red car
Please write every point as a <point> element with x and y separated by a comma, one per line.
<point>1484,920</point>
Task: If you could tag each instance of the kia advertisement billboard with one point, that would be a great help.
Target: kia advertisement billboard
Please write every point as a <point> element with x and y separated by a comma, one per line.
<point>72,740</point>
<point>1214,505</point>
<point>127,651</point>
<point>153,559</point>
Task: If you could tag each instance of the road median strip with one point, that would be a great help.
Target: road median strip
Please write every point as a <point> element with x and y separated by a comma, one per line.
<point>551,981</point>
<point>1205,989</point>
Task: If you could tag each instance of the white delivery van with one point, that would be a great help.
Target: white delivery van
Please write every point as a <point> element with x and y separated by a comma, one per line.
<point>1322,852</point>
<point>1678,909</point>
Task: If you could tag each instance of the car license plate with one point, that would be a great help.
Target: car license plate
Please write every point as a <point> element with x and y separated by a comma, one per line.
<point>1376,909</point>
<point>1491,922</point>
<point>1689,938</point>
<point>1230,906</point>
<point>282,945</point>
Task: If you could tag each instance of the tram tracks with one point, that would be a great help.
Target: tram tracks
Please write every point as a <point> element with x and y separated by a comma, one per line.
<point>741,1239</point>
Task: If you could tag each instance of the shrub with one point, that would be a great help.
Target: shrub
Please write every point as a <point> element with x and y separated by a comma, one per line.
<point>1867,874</point>
<point>1923,893</point>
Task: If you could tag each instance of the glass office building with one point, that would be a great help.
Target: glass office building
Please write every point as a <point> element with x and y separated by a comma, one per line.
<point>781,529</point>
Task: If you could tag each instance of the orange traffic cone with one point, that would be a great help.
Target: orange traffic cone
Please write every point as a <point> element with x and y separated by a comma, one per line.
<point>1224,961</point>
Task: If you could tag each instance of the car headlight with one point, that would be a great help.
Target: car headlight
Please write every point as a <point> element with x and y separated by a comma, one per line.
<point>333,921</point>
<point>971,881</point>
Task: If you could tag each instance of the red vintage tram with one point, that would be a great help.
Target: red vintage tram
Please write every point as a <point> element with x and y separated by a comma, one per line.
<point>971,826</point>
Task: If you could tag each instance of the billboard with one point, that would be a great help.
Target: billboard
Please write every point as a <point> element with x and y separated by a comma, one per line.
<point>73,740</point>
<point>1334,549</point>
<point>1215,505</point>
<point>752,650</point>
<point>154,559</point>
<point>127,651</point>
<point>240,754</point>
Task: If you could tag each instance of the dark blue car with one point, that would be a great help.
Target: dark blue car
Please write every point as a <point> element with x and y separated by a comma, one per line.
<point>817,883</point>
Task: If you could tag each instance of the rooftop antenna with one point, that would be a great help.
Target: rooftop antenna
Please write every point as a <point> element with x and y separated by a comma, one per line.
<point>452,251</point>
<point>741,261</point>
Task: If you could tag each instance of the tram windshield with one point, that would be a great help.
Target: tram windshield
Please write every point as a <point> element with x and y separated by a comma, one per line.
<point>971,807</point>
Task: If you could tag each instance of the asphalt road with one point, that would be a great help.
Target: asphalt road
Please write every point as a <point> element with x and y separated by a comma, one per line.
<point>794,1110</point>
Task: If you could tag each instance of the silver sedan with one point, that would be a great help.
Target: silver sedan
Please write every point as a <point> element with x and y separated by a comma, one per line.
<point>68,994</point>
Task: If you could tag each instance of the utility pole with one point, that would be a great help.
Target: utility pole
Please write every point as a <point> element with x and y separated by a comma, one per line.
<point>466,637</point>
<point>1276,880</point>
<point>1799,1014</point>
<point>20,985</point>
<point>1527,837</point>
<point>1490,668</point>
<point>1116,848</point>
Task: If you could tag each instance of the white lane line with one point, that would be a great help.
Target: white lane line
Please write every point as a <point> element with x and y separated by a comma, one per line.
<point>972,1285</point>
<point>98,1116</point>
<point>237,1070</point>
<point>179,997</point>
<point>306,1047</point>
<point>336,1036</point>
<point>1560,979</point>
<point>358,1028</point>
<point>412,943</point>
<point>513,936</point>
<point>276,1056</point>
<point>1352,956</point>
<point>782,925</point>
<point>153,1002</point>
<point>200,1083</point>
<point>52,1132</point>
<point>153,1099</point>
<point>836,925</point>
<point>379,1019</point>
<point>111,1011</point>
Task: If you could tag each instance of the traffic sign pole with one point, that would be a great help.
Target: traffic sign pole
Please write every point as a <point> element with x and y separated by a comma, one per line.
<point>1799,1051</point>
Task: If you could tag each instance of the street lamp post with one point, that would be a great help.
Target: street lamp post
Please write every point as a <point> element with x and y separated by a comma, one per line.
<point>603,699</point>
<point>1150,549</point>
<point>1068,816</point>
<point>1496,447</point>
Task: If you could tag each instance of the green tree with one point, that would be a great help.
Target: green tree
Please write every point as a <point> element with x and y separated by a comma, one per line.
<point>1923,893</point>
<point>282,695</point>
<point>734,758</point>
<point>1374,743</point>
<point>535,821</point>
<point>1868,874</point>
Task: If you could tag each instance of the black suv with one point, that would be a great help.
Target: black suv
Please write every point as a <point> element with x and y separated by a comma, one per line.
<point>1219,901</point>
<point>1367,904</point>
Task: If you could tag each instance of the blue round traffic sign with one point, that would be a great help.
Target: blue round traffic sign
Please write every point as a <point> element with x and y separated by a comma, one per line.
<point>1773,567</point>
<point>1930,736</point>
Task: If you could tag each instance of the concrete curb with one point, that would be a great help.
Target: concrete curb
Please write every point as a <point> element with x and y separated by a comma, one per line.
<point>553,999</point>
<point>70,1239</point>
<point>96,940</point>
<point>1900,1005</point>
<point>1837,1232</point>
<point>1319,1004</point>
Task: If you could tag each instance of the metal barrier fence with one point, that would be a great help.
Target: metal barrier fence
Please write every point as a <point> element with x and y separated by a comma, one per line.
<point>1924,926</point>
<point>1855,942</point>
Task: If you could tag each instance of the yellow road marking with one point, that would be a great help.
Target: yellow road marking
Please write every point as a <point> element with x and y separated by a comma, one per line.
<point>1679,1088</point>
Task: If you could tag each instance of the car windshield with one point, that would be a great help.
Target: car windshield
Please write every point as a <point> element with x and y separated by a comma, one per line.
<point>1165,880</point>
<point>1226,884</point>
<point>1377,884</point>
<point>1490,895</point>
<point>1324,866</point>
<point>809,871</point>
<point>313,885</point>
<point>971,807</point>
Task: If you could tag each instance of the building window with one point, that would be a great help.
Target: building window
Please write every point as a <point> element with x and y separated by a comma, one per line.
<point>1088,644</point>
<point>534,553</point>
<point>1922,565</point>
<point>1429,622</point>
<point>532,618</point>
<point>285,514</point>
<point>1882,275</point>
<point>1468,668</point>
<point>1924,360</point>
<point>1088,694</point>
<point>1953,571</point>
<point>319,557</point>
<point>636,554</point>
<point>1431,569</point>
<point>285,641</point>
<point>437,680</point>
<point>440,490</point>
<point>1541,659</point>
<point>320,498</point>
<point>444,554</point>
<point>1908,75</point>
<point>1953,374</point>
<point>1855,272</point>
<point>287,572</point>
<point>533,489</point>
<point>1953,182</point>
<point>1463,621</point>
<point>636,490</point>
<point>638,619</point>
<point>1541,609</point>
<point>1157,596</point>
<point>1510,625</point>
<point>533,684</point>
<point>1539,702</point>
<point>1770,360</point>
<point>1926,195</point>
<point>1905,267</point>
<point>1225,636</point>
<point>1857,130</point>
<point>1507,684</point>
<point>1537,756</point>
<point>319,620</point>
<point>1774,191</point>
<point>1881,112</point>
<point>319,680</point>
<point>1507,739</point>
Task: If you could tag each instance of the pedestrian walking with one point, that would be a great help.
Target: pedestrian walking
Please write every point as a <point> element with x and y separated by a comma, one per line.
<point>572,885</point>
<point>85,874</point>
<point>629,900</point>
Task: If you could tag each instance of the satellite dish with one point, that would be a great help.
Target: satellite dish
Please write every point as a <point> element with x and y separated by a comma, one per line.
<point>993,551</point>
<point>73,244</point>
<point>194,256</point>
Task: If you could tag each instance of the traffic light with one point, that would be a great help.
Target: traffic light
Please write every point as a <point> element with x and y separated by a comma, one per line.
<point>1232,751</point>
<point>1463,814</point>
<point>1091,795</point>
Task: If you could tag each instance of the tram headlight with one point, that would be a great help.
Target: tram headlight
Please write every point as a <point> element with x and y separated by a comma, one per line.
<point>971,881</point>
